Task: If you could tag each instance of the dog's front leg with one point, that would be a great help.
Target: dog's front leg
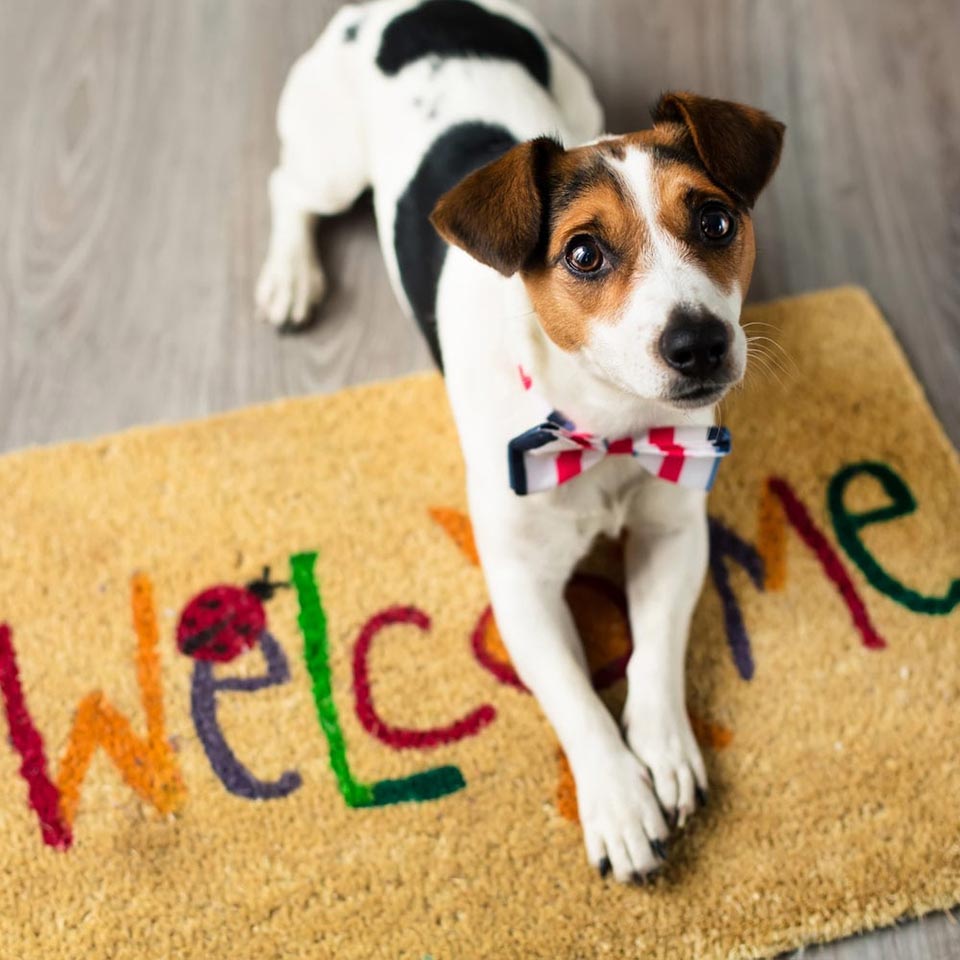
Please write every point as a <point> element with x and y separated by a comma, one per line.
<point>666,560</point>
<point>622,822</point>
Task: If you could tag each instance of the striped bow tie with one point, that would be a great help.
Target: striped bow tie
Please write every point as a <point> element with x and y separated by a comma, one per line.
<point>555,452</point>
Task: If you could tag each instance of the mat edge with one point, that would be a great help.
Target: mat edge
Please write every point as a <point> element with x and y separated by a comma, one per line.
<point>886,919</point>
<point>160,427</point>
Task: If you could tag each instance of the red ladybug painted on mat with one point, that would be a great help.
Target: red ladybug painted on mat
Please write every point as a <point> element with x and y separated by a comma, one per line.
<point>224,621</point>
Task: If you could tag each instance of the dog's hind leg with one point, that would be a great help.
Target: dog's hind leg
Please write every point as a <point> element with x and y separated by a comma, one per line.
<point>322,170</point>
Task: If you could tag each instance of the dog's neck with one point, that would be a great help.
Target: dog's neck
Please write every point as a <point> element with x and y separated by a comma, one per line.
<point>568,383</point>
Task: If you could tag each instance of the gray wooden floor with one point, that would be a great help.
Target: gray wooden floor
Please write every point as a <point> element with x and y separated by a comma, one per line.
<point>135,139</point>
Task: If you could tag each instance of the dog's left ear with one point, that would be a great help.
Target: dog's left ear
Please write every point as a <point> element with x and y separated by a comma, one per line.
<point>738,145</point>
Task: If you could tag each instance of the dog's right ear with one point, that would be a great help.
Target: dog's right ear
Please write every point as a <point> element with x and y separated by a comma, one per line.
<point>496,213</point>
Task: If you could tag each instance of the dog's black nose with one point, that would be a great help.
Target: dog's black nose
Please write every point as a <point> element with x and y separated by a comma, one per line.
<point>695,343</point>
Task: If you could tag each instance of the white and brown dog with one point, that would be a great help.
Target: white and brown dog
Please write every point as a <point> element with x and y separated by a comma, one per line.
<point>610,269</point>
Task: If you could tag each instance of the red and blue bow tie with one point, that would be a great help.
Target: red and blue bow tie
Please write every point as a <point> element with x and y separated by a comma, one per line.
<point>555,451</point>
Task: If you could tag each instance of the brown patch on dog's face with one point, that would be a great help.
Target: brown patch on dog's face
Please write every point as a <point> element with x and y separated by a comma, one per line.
<point>635,251</point>
<point>685,195</point>
<point>590,206</point>
<point>748,256</point>
<point>590,199</point>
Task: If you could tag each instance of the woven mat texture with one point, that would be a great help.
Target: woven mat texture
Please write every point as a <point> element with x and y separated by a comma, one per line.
<point>343,765</point>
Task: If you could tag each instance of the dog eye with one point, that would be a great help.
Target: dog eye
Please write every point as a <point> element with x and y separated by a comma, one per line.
<point>717,223</point>
<point>583,255</point>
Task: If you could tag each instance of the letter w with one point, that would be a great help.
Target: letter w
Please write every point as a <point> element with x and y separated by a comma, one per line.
<point>147,764</point>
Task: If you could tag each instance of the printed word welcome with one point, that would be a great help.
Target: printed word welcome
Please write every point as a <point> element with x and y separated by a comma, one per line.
<point>224,622</point>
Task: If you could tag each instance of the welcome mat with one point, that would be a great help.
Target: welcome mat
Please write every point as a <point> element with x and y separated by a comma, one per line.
<point>258,706</point>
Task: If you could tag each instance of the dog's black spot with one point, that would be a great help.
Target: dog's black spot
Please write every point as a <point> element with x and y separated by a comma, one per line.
<point>350,34</point>
<point>420,249</point>
<point>574,186</point>
<point>665,153</point>
<point>458,28</point>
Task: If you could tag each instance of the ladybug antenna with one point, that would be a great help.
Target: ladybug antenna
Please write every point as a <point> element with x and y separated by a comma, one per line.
<point>263,588</point>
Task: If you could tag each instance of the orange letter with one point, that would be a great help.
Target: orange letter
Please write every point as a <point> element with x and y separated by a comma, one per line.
<point>148,765</point>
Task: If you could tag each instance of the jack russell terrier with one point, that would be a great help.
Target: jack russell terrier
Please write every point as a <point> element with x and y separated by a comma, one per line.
<point>583,292</point>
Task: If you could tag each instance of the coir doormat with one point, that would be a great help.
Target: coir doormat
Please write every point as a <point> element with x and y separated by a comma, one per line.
<point>258,707</point>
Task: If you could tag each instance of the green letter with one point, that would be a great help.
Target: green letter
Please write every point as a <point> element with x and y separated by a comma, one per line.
<point>426,785</point>
<point>848,526</point>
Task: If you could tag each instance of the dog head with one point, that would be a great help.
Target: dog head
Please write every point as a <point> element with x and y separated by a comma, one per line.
<point>636,251</point>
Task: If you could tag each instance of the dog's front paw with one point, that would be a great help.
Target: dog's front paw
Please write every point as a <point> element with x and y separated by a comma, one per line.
<point>623,828</point>
<point>666,746</point>
<point>290,286</point>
